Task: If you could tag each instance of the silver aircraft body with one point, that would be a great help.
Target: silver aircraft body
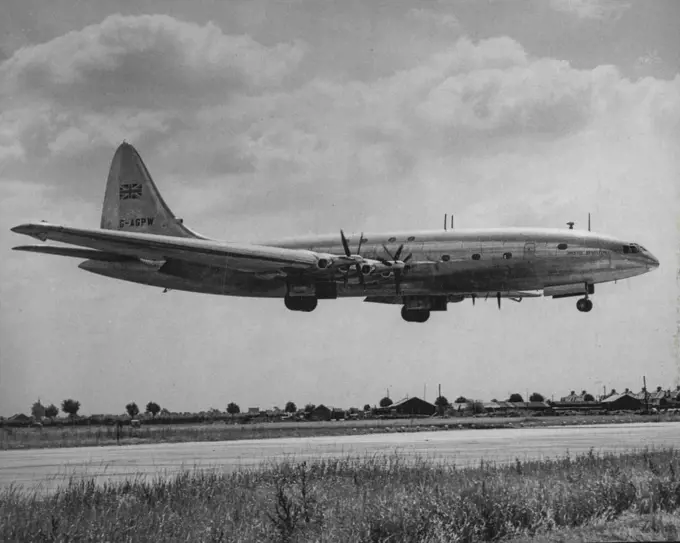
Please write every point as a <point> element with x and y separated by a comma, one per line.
<point>140,240</point>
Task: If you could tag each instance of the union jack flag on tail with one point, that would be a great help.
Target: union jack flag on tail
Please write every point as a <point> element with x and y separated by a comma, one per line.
<point>130,191</point>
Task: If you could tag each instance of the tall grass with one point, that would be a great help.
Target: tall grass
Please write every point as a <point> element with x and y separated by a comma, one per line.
<point>372,498</point>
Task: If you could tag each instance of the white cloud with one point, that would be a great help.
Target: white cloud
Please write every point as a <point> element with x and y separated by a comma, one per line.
<point>127,76</point>
<point>445,20</point>
<point>592,9</point>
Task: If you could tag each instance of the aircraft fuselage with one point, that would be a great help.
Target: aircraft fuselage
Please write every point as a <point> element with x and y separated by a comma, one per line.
<point>443,263</point>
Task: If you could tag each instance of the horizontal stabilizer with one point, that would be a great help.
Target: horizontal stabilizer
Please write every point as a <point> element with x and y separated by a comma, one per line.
<point>89,254</point>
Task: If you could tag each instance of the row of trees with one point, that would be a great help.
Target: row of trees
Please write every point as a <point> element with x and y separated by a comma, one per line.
<point>71,408</point>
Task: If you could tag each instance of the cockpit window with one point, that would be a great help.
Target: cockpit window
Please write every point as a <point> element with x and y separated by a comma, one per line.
<point>631,248</point>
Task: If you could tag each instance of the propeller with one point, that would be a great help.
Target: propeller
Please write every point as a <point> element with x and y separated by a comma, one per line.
<point>348,253</point>
<point>397,264</point>
<point>498,297</point>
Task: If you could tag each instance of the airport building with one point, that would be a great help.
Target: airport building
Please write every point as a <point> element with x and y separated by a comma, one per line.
<point>622,402</point>
<point>413,406</point>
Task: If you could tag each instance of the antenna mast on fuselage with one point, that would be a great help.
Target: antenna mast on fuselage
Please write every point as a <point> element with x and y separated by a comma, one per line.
<point>446,221</point>
<point>571,224</point>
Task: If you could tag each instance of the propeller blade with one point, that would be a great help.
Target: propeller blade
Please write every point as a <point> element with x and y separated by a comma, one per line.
<point>473,299</point>
<point>383,261</point>
<point>361,275</point>
<point>398,253</point>
<point>345,245</point>
<point>388,252</point>
<point>407,258</point>
<point>498,297</point>
<point>361,240</point>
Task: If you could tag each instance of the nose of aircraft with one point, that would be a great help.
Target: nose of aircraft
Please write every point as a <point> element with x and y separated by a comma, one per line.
<point>652,261</point>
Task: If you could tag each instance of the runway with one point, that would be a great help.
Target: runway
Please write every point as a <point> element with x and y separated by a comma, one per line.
<point>45,469</point>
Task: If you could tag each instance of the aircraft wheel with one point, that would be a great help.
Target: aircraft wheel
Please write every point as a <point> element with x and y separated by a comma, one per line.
<point>584,305</point>
<point>301,303</point>
<point>415,315</point>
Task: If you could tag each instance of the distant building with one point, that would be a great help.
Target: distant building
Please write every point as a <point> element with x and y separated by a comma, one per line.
<point>572,398</point>
<point>492,407</point>
<point>625,402</point>
<point>253,410</point>
<point>320,412</point>
<point>413,406</point>
<point>19,418</point>
<point>659,398</point>
<point>675,394</point>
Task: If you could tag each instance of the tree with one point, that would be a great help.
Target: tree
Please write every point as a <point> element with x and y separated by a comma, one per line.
<point>51,411</point>
<point>461,399</point>
<point>588,397</point>
<point>477,408</point>
<point>153,408</point>
<point>516,397</point>
<point>38,410</point>
<point>290,407</point>
<point>386,402</point>
<point>367,407</point>
<point>132,409</point>
<point>536,397</point>
<point>70,407</point>
<point>310,407</point>
<point>442,403</point>
<point>233,409</point>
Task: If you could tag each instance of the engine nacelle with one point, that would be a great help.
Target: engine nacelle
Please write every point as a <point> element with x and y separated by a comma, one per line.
<point>324,262</point>
<point>367,269</point>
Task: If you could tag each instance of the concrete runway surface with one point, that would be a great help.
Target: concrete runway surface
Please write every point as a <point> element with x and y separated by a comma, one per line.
<point>45,469</point>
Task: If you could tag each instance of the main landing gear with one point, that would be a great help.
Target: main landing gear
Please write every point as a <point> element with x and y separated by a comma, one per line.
<point>301,303</point>
<point>415,315</point>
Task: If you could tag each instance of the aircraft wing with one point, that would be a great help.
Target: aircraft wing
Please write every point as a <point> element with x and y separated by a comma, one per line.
<point>241,257</point>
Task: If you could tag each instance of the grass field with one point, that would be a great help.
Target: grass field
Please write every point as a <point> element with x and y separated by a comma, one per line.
<point>93,436</point>
<point>634,496</point>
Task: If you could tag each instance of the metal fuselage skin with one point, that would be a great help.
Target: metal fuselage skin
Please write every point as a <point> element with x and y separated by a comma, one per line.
<point>458,262</point>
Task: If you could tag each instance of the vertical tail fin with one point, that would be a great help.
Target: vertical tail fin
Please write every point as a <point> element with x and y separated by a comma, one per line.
<point>132,201</point>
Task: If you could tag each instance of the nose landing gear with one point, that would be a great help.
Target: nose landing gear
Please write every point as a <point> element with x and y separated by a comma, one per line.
<point>584,305</point>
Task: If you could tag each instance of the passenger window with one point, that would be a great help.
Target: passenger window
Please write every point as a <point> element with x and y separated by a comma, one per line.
<point>507,256</point>
<point>562,246</point>
<point>445,258</point>
<point>476,256</point>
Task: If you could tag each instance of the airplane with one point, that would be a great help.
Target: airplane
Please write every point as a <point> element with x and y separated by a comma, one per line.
<point>140,240</point>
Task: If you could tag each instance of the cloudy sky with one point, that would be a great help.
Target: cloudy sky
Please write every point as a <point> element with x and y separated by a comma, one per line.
<point>263,120</point>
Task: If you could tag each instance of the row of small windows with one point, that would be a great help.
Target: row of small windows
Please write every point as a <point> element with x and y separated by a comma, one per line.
<point>393,239</point>
<point>477,256</point>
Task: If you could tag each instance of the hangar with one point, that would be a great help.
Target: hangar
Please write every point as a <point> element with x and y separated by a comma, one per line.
<point>626,402</point>
<point>413,406</point>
